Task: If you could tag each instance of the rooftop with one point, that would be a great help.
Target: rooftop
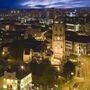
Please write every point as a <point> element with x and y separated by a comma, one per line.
<point>73,36</point>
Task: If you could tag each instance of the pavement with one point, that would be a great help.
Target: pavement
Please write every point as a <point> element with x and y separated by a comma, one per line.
<point>83,79</point>
<point>85,72</point>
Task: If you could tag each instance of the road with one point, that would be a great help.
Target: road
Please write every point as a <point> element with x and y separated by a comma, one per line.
<point>69,85</point>
<point>83,78</point>
<point>85,72</point>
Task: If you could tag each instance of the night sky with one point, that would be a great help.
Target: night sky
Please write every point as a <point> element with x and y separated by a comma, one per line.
<point>44,3</point>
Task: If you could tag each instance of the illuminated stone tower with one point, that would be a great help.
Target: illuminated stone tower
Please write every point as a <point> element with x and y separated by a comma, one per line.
<point>58,43</point>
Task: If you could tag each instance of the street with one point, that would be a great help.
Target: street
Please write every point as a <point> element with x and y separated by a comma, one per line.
<point>83,79</point>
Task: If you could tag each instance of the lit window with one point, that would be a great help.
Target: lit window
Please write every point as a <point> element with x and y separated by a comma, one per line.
<point>4,86</point>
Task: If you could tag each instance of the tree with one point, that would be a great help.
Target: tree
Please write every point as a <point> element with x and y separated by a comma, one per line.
<point>44,73</point>
<point>68,70</point>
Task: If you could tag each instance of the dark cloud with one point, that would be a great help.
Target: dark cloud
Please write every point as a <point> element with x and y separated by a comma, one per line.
<point>44,3</point>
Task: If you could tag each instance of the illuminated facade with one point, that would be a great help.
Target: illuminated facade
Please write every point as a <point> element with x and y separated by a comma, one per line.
<point>68,47</point>
<point>58,45</point>
<point>77,48</point>
<point>81,29</point>
<point>27,55</point>
<point>72,27</point>
<point>81,48</point>
<point>26,82</point>
<point>9,82</point>
<point>78,41</point>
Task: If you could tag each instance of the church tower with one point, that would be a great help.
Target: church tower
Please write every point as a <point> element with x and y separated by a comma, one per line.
<point>58,43</point>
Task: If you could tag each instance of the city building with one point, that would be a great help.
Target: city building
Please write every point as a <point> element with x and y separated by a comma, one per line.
<point>77,38</point>
<point>9,81</point>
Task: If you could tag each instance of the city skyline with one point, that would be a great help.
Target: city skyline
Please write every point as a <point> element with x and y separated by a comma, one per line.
<point>46,49</point>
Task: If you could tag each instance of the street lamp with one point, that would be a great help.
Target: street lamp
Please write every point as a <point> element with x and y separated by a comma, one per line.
<point>3,53</point>
<point>82,63</point>
<point>72,73</point>
<point>22,67</point>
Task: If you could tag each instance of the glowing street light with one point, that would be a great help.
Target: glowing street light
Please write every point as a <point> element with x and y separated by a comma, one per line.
<point>22,67</point>
<point>3,53</point>
<point>72,73</point>
<point>82,63</point>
